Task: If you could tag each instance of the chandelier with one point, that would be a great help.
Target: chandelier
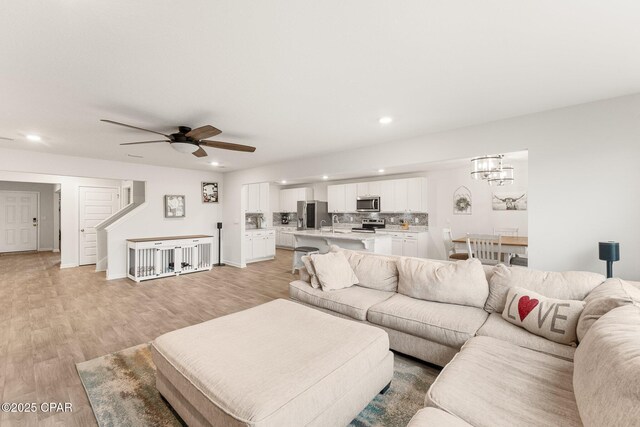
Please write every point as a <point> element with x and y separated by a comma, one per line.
<point>491,169</point>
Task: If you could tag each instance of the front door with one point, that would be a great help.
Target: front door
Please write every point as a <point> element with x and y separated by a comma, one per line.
<point>18,221</point>
<point>96,205</point>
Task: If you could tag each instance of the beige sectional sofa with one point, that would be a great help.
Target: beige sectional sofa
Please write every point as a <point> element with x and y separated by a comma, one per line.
<point>497,373</point>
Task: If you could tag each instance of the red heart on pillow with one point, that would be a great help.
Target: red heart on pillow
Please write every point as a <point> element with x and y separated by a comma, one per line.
<point>525,305</point>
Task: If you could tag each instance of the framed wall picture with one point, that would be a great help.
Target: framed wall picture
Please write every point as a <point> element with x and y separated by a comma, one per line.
<point>174,206</point>
<point>509,201</point>
<point>462,201</point>
<point>210,192</point>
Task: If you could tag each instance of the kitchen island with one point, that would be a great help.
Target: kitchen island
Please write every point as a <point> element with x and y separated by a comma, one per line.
<point>322,239</point>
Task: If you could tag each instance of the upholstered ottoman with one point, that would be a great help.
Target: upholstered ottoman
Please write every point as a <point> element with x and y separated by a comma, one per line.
<point>277,364</point>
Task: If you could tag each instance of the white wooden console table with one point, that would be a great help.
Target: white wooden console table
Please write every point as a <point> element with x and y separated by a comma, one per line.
<point>155,257</point>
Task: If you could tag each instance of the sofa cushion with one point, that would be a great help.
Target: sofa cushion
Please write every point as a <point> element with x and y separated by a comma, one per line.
<point>434,417</point>
<point>551,318</point>
<point>310,270</point>
<point>604,298</point>
<point>494,383</point>
<point>373,271</point>
<point>497,327</point>
<point>607,370</point>
<point>447,324</point>
<point>353,301</point>
<point>573,285</point>
<point>462,282</point>
<point>333,271</point>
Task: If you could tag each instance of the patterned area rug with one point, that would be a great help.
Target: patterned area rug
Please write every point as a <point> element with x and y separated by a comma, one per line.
<point>122,392</point>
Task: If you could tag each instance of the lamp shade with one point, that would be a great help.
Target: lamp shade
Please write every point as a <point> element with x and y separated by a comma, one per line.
<point>609,251</point>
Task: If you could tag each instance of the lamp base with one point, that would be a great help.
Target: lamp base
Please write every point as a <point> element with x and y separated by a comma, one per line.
<point>220,264</point>
<point>609,269</point>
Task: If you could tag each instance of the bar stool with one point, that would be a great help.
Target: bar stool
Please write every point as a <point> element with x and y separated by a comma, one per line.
<point>298,253</point>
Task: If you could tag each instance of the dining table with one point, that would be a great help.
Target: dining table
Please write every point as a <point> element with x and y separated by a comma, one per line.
<point>510,244</point>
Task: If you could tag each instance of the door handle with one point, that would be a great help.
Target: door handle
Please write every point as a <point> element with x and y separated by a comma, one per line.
<point>82,230</point>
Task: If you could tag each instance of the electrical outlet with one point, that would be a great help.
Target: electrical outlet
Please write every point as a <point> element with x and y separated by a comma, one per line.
<point>417,220</point>
<point>350,219</point>
<point>393,220</point>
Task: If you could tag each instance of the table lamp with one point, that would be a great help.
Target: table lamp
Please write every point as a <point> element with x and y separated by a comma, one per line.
<point>610,252</point>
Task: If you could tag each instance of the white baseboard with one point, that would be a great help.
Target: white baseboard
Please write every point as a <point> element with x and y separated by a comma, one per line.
<point>68,265</point>
<point>45,249</point>
<point>233,264</point>
<point>55,250</point>
<point>116,276</point>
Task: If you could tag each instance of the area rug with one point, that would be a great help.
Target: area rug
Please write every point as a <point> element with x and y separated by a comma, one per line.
<point>122,392</point>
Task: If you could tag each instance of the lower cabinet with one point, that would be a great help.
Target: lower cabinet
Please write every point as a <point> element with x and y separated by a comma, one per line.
<point>284,239</point>
<point>408,244</point>
<point>259,245</point>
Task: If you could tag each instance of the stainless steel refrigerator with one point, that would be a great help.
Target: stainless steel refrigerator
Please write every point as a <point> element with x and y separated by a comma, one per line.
<point>311,213</point>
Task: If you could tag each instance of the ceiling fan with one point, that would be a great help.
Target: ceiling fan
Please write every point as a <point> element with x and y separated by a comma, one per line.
<point>189,141</point>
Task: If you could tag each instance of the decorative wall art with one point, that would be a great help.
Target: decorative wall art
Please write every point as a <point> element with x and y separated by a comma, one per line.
<point>174,206</point>
<point>209,192</point>
<point>509,201</point>
<point>462,201</point>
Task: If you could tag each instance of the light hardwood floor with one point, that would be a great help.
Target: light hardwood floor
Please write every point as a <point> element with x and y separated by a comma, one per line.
<point>50,319</point>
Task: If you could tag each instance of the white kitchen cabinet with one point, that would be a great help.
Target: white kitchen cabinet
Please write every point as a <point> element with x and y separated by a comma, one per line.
<point>350,197</point>
<point>413,244</point>
<point>289,198</point>
<point>336,198</point>
<point>362,188</point>
<point>387,196</point>
<point>416,195</point>
<point>257,198</point>
<point>263,204</point>
<point>260,245</point>
<point>400,195</point>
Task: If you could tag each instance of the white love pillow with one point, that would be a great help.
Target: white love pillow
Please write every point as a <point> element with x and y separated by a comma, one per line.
<point>550,318</point>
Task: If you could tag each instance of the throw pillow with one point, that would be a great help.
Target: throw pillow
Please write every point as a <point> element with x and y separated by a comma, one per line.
<point>462,282</point>
<point>333,271</point>
<point>550,318</point>
<point>572,285</point>
<point>373,271</point>
<point>611,294</point>
<point>308,265</point>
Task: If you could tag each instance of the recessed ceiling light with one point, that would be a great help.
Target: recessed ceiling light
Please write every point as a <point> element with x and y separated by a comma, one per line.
<point>214,164</point>
<point>385,120</point>
<point>380,170</point>
<point>284,181</point>
<point>325,177</point>
<point>32,137</point>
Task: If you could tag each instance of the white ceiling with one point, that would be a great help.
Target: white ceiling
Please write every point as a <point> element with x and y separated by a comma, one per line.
<point>298,78</point>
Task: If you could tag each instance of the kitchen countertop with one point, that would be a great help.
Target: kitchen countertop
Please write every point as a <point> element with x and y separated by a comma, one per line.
<point>338,235</point>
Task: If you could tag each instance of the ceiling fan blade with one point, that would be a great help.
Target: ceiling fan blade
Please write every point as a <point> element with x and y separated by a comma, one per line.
<point>203,132</point>
<point>200,152</point>
<point>132,127</point>
<point>6,139</point>
<point>142,142</point>
<point>228,146</point>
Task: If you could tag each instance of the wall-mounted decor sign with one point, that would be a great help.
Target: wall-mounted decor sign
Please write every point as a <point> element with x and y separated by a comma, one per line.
<point>462,201</point>
<point>210,192</point>
<point>509,201</point>
<point>174,206</point>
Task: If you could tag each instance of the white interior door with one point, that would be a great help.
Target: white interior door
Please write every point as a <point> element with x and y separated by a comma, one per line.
<point>96,205</point>
<point>18,221</point>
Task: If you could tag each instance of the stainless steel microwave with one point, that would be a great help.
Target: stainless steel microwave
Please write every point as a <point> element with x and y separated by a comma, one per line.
<point>368,204</point>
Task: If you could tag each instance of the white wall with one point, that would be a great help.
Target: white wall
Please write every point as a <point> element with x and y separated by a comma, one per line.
<point>582,178</point>
<point>441,185</point>
<point>16,165</point>
<point>46,220</point>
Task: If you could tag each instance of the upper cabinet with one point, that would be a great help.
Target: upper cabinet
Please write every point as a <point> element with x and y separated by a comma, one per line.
<point>257,198</point>
<point>290,197</point>
<point>396,195</point>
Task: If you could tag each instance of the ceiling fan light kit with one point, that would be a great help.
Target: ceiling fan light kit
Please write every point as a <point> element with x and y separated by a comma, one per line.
<point>189,141</point>
<point>491,169</point>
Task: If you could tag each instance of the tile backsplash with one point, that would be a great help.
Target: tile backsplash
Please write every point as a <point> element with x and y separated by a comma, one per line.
<point>355,219</point>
